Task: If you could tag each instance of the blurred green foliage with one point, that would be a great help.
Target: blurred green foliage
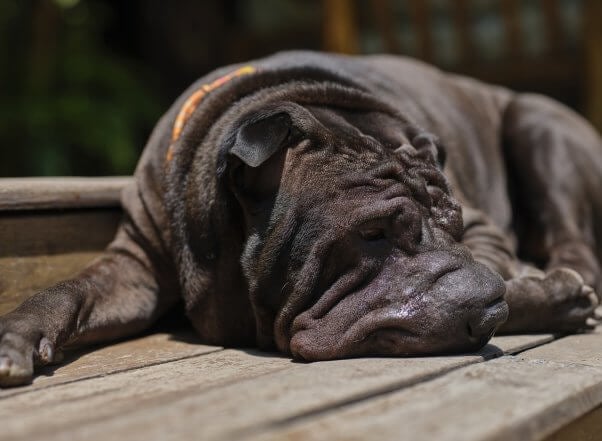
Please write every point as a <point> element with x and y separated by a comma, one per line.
<point>69,105</point>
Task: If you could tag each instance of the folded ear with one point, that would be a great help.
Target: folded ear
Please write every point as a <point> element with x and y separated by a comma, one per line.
<point>252,158</point>
<point>257,141</point>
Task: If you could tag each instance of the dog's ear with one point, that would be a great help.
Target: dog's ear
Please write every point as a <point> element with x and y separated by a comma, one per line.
<point>253,156</point>
<point>255,142</point>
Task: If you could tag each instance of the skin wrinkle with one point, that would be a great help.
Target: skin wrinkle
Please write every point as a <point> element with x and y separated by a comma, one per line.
<point>307,278</point>
<point>267,260</point>
<point>264,282</point>
<point>346,283</point>
<point>381,209</point>
<point>362,327</point>
<point>384,318</point>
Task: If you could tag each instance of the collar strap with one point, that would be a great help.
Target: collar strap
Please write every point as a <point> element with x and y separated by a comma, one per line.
<point>194,100</point>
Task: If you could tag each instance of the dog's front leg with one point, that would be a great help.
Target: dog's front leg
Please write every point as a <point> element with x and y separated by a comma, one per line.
<point>489,245</point>
<point>555,300</point>
<point>119,294</point>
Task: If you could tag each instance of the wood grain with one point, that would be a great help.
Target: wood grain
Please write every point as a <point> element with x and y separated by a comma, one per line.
<point>512,344</point>
<point>583,349</point>
<point>586,428</point>
<point>21,277</point>
<point>523,397</point>
<point>227,394</point>
<point>63,192</point>
<point>56,232</point>
<point>124,356</point>
<point>38,249</point>
<point>55,411</point>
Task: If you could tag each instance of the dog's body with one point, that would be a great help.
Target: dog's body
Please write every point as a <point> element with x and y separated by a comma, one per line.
<point>297,202</point>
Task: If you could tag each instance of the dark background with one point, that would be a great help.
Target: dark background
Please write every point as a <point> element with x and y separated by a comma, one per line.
<point>82,82</point>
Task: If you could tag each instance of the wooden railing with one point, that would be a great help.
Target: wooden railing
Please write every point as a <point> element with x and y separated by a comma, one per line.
<point>558,67</point>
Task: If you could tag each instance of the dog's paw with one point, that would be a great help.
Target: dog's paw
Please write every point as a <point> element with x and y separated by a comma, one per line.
<point>559,301</point>
<point>571,301</point>
<point>20,350</point>
<point>16,360</point>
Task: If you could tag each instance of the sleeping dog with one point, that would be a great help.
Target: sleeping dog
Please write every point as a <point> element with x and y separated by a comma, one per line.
<point>330,206</point>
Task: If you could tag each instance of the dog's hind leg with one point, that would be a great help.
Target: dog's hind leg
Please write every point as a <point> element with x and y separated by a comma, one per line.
<point>554,161</point>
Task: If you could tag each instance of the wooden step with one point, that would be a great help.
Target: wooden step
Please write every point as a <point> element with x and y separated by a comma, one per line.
<point>51,228</point>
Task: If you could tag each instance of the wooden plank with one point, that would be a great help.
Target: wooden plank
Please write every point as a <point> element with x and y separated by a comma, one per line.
<point>114,358</point>
<point>586,428</point>
<point>56,232</point>
<point>579,349</point>
<point>499,400</point>
<point>21,277</point>
<point>226,394</point>
<point>514,397</point>
<point>64,192</point>
<point>55,411</point>
<point>38,249</point>
<point>513,344</point>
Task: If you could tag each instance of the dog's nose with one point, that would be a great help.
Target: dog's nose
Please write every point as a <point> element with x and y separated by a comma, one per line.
<point>481,324</point>
<point>479,333</point>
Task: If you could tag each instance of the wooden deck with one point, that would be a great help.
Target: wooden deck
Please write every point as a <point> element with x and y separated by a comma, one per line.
<point>168,386</point>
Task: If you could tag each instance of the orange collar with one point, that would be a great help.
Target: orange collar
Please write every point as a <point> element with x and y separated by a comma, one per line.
<point>193,101</point>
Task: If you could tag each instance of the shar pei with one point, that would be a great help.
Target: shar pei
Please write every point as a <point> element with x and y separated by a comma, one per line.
<point>330,206</point>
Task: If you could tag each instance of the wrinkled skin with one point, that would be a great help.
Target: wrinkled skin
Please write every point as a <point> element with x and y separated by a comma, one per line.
<point>304,207</point>
<point>373,264</point>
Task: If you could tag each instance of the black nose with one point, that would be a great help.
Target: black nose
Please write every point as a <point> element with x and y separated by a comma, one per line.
<point>481,324</point>
<point>478,333</point>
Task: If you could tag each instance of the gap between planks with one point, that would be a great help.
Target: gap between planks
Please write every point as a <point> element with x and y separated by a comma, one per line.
<point>158,401</point>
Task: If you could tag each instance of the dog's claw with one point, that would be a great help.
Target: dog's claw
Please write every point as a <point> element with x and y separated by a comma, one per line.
<point>46,351</point>
<point>16,361</point>
<point>12,374</point>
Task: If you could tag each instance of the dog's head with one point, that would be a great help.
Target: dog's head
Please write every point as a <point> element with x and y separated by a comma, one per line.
<point>352,236</point>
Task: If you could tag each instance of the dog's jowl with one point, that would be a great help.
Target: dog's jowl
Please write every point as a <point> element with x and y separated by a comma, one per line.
<point>331,207</point>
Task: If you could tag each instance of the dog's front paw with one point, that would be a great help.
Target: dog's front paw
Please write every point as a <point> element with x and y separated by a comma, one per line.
<point>557,301</point>
<point>21,346</point>
<point>572,302</point>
